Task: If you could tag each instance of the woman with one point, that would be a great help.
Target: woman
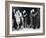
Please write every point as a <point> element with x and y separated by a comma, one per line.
<point>18,16</point>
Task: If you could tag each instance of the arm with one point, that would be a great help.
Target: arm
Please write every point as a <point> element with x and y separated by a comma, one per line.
<point>33,11</point>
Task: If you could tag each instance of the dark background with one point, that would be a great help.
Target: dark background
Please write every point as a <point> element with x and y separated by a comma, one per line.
<point>36,19</point>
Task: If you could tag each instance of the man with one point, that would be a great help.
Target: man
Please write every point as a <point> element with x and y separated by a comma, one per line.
<point>26,19</point>
<point>24,16</point>
<point>34,17</point>
<point>14,20</point>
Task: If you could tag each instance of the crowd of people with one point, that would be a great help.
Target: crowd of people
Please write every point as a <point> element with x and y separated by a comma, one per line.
<point>25,19</point>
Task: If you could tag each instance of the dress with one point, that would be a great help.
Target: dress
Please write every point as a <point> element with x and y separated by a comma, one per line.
<point>18,15</point>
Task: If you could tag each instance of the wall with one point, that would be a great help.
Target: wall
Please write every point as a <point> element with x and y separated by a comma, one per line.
<point>2,18</point>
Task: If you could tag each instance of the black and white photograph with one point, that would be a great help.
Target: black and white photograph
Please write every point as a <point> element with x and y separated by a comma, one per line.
<point>24,18</point>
